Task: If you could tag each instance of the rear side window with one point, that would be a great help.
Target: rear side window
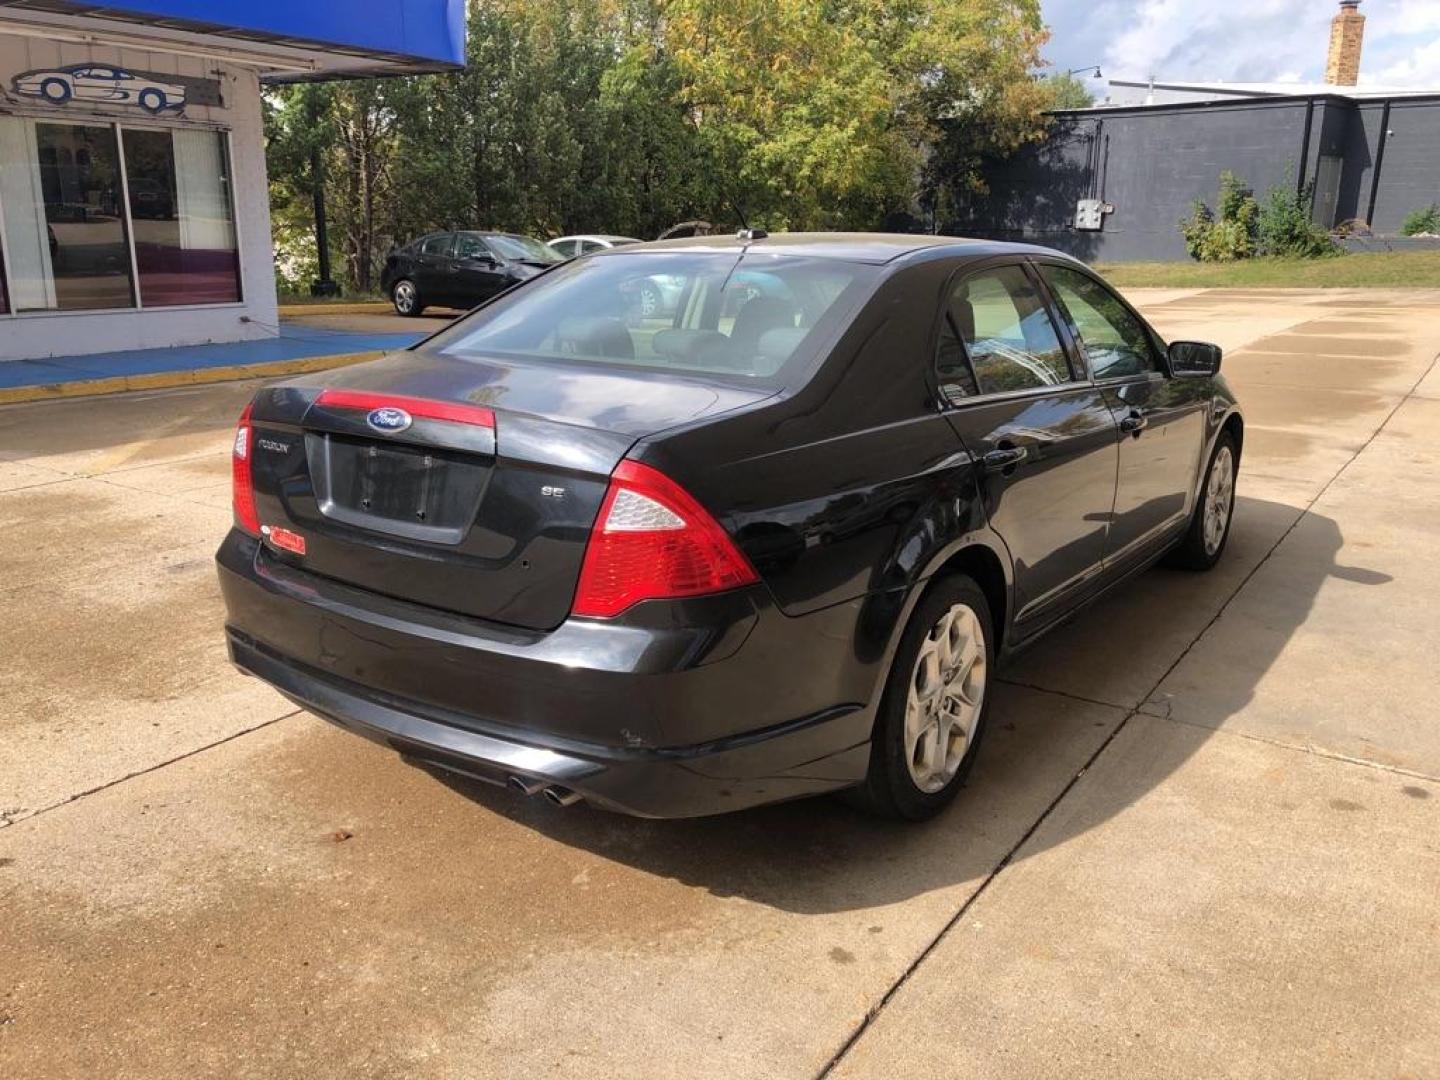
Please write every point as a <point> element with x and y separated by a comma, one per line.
<point>1115,341</point>
<point>436,245</point>
<point>716,313</point>
<point>997,336</point>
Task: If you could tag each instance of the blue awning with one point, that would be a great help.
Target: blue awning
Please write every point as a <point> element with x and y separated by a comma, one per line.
<point>399,35</point>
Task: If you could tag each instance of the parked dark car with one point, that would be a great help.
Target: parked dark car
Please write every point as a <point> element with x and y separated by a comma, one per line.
<point>736,559</point>
<point>461,269</point>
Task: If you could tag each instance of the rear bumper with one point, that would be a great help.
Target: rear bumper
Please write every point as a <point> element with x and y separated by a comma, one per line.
<point>658,717</point>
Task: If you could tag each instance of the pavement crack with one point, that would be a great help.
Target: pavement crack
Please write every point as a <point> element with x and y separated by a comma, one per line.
<point>954,920</point>
<point>1065,694</point>
<point>10,818</point>
<point>40,484</point>
<point>1303,748</point>
<point>875,1010</point>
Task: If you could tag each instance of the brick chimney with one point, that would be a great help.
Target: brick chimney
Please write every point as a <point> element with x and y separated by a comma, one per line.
<point>1346,31</point>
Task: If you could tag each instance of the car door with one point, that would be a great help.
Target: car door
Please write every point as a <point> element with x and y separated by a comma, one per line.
<point>478,273</point>
<point>91,85</point>
<point>434,269</point>
<point>1162,419</point>
<point>1042,433</point>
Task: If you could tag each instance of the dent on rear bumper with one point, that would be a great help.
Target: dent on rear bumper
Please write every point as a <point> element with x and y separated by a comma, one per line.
<point>653,717</point>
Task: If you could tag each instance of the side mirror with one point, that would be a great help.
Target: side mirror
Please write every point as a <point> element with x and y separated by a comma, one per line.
<point>1194,359</point>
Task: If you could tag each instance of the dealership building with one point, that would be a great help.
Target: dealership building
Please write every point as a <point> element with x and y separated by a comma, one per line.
<point>134,210</point>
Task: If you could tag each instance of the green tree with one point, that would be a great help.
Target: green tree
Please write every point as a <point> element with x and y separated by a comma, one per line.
<point>1229,232</point>
<point>1285,228</point>
<point>298,132</point>
<point>1067,91</point>
<point>628,115</point>
<point>1423,221</point>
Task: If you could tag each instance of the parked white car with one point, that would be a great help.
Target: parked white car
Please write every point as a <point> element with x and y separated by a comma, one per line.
<point>653,297</point>
<point>99,83</point>
<point>571,246</point>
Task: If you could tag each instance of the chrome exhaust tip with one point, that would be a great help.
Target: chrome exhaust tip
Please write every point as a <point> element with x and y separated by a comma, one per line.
<point>562,796</point>
<point>524,786</point>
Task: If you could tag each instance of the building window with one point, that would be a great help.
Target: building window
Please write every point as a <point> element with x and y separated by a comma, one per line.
<point>72,244</point>
<point>84,217</point>
<point>179,185</point>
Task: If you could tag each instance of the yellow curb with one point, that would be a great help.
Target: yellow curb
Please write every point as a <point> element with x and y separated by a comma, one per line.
<point>166,380</point>
<point>366,307</point>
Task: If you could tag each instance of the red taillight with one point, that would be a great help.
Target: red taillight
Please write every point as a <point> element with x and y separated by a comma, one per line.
<point>242,486</point>
<point>652,541</point>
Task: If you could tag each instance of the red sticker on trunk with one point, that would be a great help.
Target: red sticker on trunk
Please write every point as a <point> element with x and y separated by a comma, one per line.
<point>285,539</point>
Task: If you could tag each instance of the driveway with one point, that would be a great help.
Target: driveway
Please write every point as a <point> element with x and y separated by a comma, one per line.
<point>1203,837</point>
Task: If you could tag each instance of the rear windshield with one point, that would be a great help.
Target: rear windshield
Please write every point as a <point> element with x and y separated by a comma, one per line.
<point>755,318</point>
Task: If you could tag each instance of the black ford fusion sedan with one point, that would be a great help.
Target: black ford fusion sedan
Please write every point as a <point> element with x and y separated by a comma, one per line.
<point>733,554</point>
<point>460,269</point>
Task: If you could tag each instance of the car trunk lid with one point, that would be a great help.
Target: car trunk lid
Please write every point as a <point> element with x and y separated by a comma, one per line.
<point>466,485</point>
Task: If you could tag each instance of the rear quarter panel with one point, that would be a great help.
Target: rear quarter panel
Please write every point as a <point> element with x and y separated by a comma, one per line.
<point>853,488</point>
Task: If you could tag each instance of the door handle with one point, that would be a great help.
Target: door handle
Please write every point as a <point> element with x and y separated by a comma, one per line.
<point>1003,457</point>
<point>1134,423</point>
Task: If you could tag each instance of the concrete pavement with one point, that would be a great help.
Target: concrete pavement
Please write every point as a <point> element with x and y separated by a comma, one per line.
<point>1200,840</point>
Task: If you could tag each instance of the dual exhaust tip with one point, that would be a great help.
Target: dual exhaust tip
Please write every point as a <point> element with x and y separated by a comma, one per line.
<point>558,795</point>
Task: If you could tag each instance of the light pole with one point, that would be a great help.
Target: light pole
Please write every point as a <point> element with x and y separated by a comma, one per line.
<point>1092,67</point>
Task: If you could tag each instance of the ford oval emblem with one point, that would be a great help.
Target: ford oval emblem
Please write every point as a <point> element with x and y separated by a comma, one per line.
<point>389,420</point>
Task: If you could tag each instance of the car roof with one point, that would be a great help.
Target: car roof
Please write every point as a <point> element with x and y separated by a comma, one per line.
<point>491,232</point>
<point>598,236</point>
<point>876,248</point>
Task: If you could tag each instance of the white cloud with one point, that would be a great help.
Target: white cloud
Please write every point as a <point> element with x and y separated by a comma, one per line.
<point>1254,41</point>
<point>1419,67</point>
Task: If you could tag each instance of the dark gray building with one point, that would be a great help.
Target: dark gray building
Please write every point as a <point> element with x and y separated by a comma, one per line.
<point>1135,171</point>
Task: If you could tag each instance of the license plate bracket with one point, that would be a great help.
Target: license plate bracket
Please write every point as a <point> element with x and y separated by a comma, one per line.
<point>418,492</point>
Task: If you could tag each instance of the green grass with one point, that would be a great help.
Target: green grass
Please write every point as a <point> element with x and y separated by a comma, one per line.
<point>1397,269</point>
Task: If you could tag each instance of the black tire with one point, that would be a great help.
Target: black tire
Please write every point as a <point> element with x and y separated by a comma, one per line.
<point>1193,552</point>
<point>889,788</point>
<point>406,297</point>
<point>152,100</point>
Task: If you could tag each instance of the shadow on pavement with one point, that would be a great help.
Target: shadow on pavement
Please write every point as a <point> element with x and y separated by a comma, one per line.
<point>819,855</point>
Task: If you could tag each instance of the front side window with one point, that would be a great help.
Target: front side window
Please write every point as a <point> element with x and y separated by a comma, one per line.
<point>997,337</point>
<point>185,247</point>
<point>720,314</point>
<point>470,246</point>
<point>1115,340</point>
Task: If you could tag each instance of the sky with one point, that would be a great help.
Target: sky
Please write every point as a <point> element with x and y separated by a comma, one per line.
<point>1241,40</point>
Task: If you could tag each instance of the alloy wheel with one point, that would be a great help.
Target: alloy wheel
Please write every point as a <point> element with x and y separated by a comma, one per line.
<point>1219,499</point>
<point>405,298</point>
<point>947,690</point>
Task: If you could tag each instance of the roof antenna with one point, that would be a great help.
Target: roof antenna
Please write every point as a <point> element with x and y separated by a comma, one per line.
<point>746,232</point>
<point>739,211</point>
